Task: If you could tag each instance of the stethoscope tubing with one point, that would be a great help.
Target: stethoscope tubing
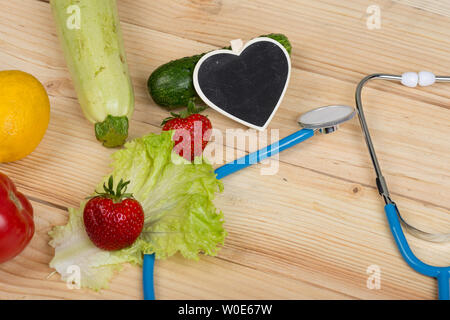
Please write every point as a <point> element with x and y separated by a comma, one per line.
<point>147,277</point>
<point>264,153</point>
<point>222,172</point>
<point>395,220</point>
<point>442,274</point>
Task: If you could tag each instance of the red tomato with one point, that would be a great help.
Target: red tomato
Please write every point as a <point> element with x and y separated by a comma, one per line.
<point>16,220</point>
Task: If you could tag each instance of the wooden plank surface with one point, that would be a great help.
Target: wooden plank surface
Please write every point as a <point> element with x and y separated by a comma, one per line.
<point>311,230</point>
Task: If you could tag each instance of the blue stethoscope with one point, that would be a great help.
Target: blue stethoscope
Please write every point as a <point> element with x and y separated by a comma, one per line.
<point>327,120</point>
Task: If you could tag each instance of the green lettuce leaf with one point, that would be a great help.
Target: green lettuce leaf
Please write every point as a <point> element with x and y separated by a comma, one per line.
<point>177,198</point>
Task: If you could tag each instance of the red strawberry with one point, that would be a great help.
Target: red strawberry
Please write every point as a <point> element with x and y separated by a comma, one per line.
<point>113,220</point>
<point>192,131</point>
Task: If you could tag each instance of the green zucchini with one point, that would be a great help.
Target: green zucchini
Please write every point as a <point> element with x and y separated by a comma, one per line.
<point>90,35</point>
<point>171,85</point>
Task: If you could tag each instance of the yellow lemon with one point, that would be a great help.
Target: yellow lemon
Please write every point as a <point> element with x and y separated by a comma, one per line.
<point>24,114</point>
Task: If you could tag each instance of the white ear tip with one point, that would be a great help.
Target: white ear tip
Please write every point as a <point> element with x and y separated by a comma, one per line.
<point>410,79</point>
<point>426,78</point>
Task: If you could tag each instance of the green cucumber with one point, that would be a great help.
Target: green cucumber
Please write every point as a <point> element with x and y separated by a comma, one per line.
<point>171,85</point>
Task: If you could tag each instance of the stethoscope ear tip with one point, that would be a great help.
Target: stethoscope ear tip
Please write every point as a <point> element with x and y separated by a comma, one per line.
<point>423,79</point>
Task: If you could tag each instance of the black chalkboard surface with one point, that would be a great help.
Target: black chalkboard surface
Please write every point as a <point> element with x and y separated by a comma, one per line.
<point>247,87</point>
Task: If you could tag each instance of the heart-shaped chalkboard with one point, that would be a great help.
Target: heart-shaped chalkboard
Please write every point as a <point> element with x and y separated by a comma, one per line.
<point>247,84</point>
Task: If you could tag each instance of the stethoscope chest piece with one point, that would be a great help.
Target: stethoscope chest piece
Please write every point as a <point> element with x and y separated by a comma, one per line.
<point>326,119</point>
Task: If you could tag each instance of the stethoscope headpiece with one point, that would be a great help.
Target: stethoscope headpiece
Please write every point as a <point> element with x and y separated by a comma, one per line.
<point>326,119</point>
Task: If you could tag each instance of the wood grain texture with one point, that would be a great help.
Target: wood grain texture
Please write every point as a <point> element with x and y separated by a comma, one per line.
<point>311,230</point>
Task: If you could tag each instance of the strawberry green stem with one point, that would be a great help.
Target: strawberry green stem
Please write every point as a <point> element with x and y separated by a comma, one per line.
<point>119,193</point>
<point>191,109</point>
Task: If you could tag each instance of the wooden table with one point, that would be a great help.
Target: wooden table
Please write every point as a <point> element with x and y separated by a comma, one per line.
<point>312,230</point>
